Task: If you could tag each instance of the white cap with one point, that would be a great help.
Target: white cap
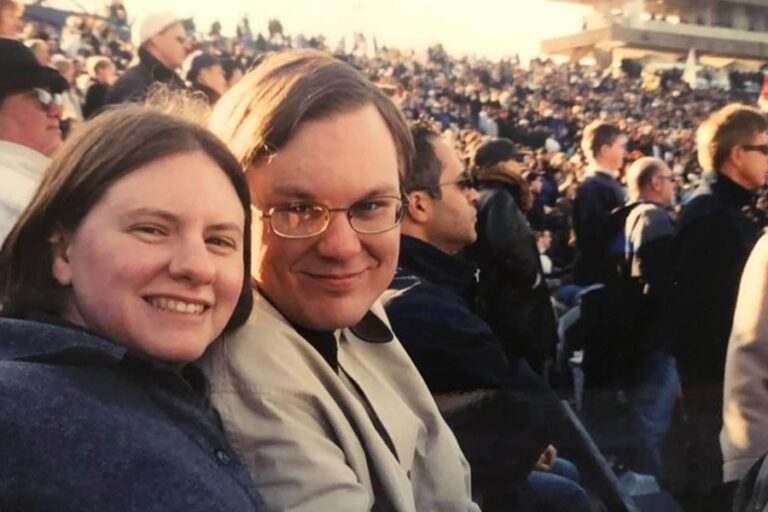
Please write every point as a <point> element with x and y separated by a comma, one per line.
<point>145,28</point>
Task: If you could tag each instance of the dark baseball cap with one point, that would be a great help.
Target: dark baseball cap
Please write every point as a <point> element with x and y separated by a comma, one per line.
<point>20,70</point>
<point>200,62</point>
<point>495,151</point>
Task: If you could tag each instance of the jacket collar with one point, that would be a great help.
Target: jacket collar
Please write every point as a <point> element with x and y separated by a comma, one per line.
<point>43,337</point>
<point>432,264</point>
<point>25,159</point>
<point>157,69</point>
<point>727,189</point>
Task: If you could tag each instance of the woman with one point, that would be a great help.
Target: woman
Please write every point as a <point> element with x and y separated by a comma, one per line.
<point>512,288</point>
<point>115,276</point>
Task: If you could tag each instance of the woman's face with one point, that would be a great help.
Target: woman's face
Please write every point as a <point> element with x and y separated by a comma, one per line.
<point>157,263</point>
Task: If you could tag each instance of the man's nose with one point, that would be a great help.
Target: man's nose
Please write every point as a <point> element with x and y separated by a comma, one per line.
<point>339,240</point>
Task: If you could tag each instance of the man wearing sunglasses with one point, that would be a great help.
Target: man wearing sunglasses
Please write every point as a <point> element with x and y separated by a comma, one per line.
<point>162,47</point>
<point>432,304</point>
<point>715,235</point>
<point>30,113</point>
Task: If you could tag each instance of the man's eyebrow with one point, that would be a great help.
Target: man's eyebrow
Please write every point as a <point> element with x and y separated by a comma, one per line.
<point>297,191</point>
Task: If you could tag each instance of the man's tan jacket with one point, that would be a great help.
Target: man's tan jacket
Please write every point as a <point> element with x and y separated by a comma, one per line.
<point>366,437</point>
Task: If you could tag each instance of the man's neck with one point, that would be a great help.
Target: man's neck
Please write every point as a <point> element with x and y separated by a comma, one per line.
<point>601,167</point>
<point>735,176</point>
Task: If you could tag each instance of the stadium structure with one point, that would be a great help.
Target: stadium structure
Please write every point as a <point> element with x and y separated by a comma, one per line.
<point>722,33</point>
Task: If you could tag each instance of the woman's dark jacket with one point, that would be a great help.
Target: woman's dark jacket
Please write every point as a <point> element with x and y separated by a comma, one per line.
<point>512,289</point>
<point>88,425</point>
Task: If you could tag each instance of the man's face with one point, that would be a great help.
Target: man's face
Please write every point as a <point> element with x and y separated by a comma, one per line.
<point>330,280</point>
<point>612,156</point>
<point>453,216</point>
<point>213,77</point>
<point>24,120</point>
<point>106,74</point>
<point>10,21</point>
<point>665,183</point>
<point>170,46</point>
<point>753,162</point>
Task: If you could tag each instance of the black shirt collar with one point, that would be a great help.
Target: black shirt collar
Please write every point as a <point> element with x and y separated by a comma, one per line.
<point>370,329</point>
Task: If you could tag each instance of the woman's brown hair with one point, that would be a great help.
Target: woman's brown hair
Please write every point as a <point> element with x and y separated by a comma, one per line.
<point>94,157</point>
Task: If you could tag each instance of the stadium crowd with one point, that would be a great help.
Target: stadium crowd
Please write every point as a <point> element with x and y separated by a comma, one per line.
<point>567,237</point>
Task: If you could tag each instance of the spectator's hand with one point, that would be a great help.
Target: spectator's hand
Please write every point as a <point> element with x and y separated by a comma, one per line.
<point>547,459</point>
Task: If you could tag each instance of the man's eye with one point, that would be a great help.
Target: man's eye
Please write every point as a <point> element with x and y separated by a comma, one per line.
<point>369,206</point>
<point>300,209</point>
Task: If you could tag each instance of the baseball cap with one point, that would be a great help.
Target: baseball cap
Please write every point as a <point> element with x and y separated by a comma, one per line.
<point>495,151</point>
<point>148,26</point>
<point>19,69</point>
<point>197,62</point>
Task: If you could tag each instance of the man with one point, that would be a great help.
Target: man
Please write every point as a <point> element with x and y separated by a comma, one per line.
<point>41,50</point>
<point>432,307</point>
<point>638,290</point>
<point>11,12</point>
<point>29,126</point>
<point>715,236</point>
<point>162,46</point>
<point>102,75</point>
<point>604,147</point>
<point>315,391</point>
<point>206,75</point>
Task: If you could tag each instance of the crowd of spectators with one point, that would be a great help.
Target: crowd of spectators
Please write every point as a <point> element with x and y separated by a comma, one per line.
<point>542,111</point>
<point>542,105</point>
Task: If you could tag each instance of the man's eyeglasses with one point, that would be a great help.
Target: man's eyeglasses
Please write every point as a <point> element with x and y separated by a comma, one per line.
<point>763,148</point>
<point>305,220</point>
<point>46,98</point>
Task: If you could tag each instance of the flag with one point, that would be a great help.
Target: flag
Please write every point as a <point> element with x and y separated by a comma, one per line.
<point>689,75</point>
<point>762,101</point>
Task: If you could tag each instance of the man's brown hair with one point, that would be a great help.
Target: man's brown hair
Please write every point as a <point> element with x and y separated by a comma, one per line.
<point>731,126</point>
<point>596,135</point>
<point>260,114</point>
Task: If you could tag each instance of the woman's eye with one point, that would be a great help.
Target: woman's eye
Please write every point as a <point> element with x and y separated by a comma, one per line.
<point>222,242</point>
<point>150,230</point>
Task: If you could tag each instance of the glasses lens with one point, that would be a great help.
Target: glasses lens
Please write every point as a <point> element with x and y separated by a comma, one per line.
<point>376,215</point>
<point>45,98</point>
<point>299,220</point>
<point>466,181</point>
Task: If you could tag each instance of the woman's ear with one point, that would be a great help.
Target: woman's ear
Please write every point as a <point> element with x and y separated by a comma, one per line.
<point>419,207</point>
<point>60,265</point>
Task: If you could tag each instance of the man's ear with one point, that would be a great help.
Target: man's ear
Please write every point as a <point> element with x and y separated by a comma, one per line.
<point>419,207</point>
<point>61,269</point>
<point>736,154</point>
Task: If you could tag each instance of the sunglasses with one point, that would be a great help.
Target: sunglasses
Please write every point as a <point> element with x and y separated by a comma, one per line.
<point>46,98</point>
<point>763,148</point>
<point>465,182</point>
